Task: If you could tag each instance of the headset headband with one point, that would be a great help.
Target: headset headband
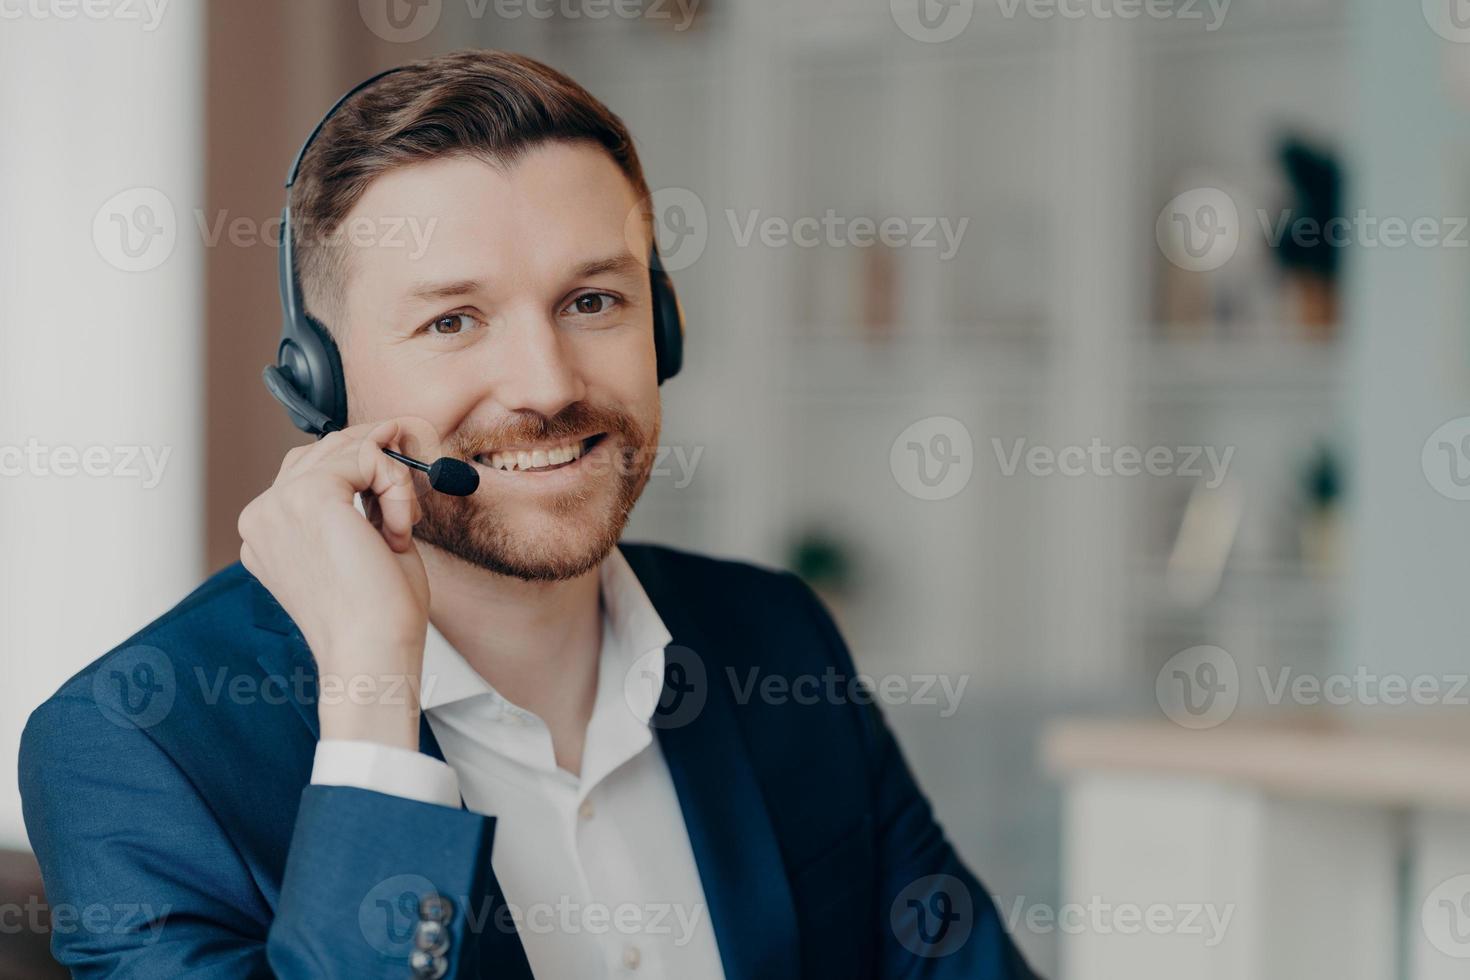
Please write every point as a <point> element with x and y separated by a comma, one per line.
<point>296,164</point>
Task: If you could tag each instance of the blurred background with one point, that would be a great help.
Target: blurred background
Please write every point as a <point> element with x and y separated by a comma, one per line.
<point>1103,363</point>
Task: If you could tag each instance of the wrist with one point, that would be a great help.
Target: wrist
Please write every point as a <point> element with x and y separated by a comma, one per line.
<point>387,719</point>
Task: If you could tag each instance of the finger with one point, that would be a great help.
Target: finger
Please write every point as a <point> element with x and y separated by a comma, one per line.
<point>337,442</point>
<point>353,456</point>
<point>390,492</point>
<point>396,502</point>
<point>353,460</point>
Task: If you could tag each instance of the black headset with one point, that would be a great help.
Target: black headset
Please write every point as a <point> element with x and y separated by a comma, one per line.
<point>307,376</point>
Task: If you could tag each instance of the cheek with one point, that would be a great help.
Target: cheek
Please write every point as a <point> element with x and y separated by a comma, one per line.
<point>378,388</point>
<point>625,375</point>
<point>625,363</point>
<point>369,386</point>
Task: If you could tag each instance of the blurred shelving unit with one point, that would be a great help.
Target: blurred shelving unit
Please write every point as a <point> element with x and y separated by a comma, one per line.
<point>1270,389</point>
<point>1058,140</point>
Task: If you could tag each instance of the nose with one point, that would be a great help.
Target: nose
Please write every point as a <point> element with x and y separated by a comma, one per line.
<point>534,370</point>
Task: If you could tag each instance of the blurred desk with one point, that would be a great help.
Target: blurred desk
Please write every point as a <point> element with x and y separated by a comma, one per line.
<point>1329,846</point>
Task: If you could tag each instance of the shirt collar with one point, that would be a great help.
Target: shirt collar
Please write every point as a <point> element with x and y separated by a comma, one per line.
<point>632,629</point>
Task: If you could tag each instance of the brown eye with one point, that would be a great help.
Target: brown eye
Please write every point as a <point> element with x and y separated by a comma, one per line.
<point>591,304</point>
<point>447,326</point>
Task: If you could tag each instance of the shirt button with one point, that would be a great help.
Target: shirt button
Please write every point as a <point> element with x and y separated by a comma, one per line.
<point>631,957</point>
<point>585,811</point>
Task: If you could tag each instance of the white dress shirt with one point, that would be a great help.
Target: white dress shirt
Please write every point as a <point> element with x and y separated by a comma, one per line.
<point>597,869</point>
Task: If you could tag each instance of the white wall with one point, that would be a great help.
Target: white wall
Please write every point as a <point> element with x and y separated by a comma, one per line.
<point>1410,335</point>
<point>92,354</point>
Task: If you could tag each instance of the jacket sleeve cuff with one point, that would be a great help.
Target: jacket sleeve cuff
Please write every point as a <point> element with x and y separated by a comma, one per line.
<point>385,769</point>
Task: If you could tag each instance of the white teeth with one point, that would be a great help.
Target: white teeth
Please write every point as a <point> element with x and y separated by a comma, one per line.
<point>536,458</point>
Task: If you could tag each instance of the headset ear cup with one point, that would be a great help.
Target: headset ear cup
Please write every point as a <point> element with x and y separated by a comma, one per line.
<point>327,364</point>
<point>307,358</point>
<point>668,323</point>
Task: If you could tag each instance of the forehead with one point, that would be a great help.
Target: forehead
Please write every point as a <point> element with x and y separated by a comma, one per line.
<point>557,203</point>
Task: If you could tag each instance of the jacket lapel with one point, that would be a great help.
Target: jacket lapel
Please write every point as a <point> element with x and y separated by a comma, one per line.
<point>729,827</point>
<point>291,657</point>
<point>730,830</point>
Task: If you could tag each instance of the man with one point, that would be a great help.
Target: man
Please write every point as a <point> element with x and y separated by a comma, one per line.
<point>414,734</point>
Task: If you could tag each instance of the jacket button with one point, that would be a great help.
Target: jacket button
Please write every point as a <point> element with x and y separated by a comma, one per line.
<point>436,908</point>
<point>431,937</point>
<point>427,967</point>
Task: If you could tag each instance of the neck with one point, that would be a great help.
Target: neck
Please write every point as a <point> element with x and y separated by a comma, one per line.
<point>536,643</point>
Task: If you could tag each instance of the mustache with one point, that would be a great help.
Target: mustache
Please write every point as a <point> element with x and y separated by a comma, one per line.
<point>578,419</point>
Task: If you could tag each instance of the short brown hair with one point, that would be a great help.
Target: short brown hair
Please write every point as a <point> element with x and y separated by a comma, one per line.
<point>493,105</point>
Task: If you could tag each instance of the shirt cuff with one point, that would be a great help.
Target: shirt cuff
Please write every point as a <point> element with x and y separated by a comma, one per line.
<point>385,769</point>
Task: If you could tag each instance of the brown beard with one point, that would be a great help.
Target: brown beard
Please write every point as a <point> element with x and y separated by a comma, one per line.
<point>475,529</point>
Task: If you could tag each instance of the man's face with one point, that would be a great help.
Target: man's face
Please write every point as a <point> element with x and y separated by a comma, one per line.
<point>523,336</point>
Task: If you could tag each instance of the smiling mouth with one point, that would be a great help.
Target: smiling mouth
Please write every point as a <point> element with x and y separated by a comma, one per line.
<point>540,459</point>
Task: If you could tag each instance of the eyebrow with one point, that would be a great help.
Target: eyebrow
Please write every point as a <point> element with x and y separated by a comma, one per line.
<point>624,264</point>
<point>443,290</point>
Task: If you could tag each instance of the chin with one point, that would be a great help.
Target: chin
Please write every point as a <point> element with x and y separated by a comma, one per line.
<point>542,549</point>
<point>537,541</point>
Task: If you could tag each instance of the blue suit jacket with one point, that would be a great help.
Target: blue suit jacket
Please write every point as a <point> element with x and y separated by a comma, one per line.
<point>168,785</point>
